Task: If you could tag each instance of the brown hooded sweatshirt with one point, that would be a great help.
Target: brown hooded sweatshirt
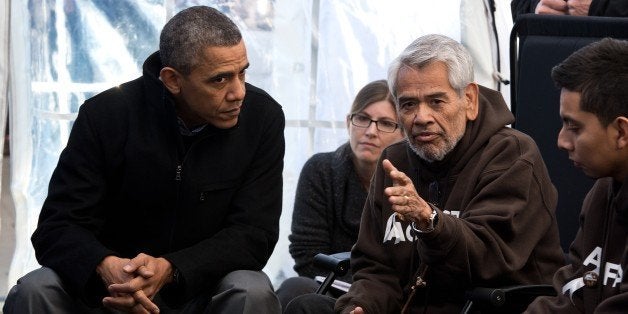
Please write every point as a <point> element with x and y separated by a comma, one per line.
<point>596,281</point>
<point>496,225</point>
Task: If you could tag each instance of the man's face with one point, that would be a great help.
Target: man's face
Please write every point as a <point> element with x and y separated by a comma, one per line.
<point>432,113</point>
<point>589,144</point>
<point>213,92</point>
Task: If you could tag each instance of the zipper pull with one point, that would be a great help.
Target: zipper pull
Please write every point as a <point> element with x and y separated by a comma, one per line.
<point>419,283</point>
<point>178,175</point>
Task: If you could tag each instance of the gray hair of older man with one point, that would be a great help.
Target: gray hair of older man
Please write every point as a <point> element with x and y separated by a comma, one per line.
<point>434,48</point>
<point>185,36</point>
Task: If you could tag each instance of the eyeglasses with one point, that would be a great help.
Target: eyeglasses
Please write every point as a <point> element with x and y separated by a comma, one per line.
<point>362,121</point>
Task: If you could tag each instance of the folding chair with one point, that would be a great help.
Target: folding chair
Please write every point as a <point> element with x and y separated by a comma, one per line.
<point>537,44</point>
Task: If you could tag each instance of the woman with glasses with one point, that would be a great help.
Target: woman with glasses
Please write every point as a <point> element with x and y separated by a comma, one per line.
<point>333,187</point>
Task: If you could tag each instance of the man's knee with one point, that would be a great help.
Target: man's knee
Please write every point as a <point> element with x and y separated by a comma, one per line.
<point>301,284</point>
<point>35,290</point>
<point>251,282</point>
<point>250,289</point>
<point>294,287</point>
<point>36,282</point>
<point>311,303</point>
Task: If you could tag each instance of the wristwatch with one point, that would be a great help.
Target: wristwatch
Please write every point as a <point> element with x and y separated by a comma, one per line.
<point>433,220</point>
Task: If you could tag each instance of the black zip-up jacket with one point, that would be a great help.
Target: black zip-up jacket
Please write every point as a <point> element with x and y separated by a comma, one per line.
<point>125,185</point>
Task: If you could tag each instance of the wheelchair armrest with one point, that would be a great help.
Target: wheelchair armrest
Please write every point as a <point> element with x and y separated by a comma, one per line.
<point>499,297</point>
<point>337,263</point>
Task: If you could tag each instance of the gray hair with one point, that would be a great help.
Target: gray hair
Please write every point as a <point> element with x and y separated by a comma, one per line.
<point>190,31</point>
<point>431,48</point>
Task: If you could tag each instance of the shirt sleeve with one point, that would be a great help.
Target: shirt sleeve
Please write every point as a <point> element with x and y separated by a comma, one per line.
<point>311,221</point>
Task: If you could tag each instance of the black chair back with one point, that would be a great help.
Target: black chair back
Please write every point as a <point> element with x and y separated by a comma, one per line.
<point>537,44</point>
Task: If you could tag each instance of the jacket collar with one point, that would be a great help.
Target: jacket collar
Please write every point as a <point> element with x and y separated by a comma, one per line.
<point>620,201</point>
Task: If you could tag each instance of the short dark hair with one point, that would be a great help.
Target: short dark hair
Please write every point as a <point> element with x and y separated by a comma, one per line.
<point>190,31</point>
<point>599,71</point>
<point>372,92</point>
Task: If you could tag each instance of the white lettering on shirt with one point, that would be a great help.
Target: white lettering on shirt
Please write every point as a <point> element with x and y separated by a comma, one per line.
<point>394,230</point>
<point>613,274</point>
<point>594,259</point>
<point>572,287</point>
<point>613,271</point>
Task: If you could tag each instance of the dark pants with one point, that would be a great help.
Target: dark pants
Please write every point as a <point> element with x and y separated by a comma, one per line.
<point>311,303</point>
<point>294,287</point>
<point>242,291</point>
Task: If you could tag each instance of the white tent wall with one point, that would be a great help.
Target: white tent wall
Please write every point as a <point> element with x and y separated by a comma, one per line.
<point>476,35</point>
<point>488,45</point>
<point>20,145</point>
<point>311,55</point>
<point>4,70</point>
<point>4,84</point>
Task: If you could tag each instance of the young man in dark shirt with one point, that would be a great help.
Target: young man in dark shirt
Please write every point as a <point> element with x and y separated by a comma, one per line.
<point>594,110</point>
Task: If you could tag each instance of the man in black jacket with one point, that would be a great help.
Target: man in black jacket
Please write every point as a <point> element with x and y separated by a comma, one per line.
<point>168,194</point>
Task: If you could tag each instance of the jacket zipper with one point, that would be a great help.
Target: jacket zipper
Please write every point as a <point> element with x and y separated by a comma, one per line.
<point>419,283</point>
<point>181,155</point>
<point>177,177</point>
<point>608,223</point>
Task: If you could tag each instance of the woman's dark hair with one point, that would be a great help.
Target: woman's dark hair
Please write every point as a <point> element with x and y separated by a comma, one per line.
<point>372,92</point>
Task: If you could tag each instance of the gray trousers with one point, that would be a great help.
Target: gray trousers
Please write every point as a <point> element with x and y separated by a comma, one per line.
<point>241,291</point>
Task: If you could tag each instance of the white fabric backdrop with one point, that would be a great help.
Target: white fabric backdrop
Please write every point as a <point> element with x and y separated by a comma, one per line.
<point>311,55</point>
<point>4,70</point>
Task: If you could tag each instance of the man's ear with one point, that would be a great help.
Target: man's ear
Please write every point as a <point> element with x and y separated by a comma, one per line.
<point>622,132</point>
<point>471,92</point>
<point>171,79</point>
